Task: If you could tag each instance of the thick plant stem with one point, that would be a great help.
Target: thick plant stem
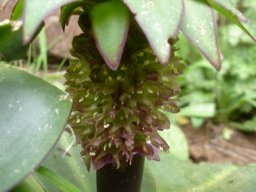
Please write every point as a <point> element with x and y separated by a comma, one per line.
<point>110,179</point>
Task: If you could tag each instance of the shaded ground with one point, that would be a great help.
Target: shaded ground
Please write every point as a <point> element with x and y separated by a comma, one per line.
<point>208,144</point>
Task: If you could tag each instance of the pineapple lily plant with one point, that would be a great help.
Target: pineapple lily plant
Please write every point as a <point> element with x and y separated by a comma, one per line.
<point>122,78</point>
<point>123,74</point>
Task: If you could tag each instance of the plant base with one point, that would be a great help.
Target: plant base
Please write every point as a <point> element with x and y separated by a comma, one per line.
<point>110,179</point>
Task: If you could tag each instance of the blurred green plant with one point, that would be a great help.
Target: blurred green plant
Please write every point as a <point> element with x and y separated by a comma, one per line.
<point>227,97</point>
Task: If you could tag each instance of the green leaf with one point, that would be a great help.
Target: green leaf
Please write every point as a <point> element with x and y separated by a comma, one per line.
<point>239,180</point>
<point>148,181</point>
<point>57,180</point>
<point>176,139</point>
<point>17,10</point>
<point>35,12</point>
<point>160,20</point>
<point>203,110</point>
<point>30,184</point>
<point>228,6</point>
<point>197,122</point>
<point>110,24</point>
<point>226,12</point>
<point>177,142</point>
<point>11,45</point>
<point>199,26</point>
<point>171,174</point>
<point>70,166</point>
<point>33,114</point>
<point>68,10</point>
<point>248,125</point>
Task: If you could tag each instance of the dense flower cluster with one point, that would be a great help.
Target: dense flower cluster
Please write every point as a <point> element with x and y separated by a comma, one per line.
<point>117,114</point>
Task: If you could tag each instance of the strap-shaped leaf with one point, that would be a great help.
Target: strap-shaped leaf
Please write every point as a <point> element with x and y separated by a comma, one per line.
<point>57,180</point>
<point>110,23</point>
<point>228,5</point>
<point>231,16</point>
<point>17,10</point>
<point>36,11</point>
<point>160,20</point>
<point>33,115</point>
<point>199,26</point>
<point>30,184</point>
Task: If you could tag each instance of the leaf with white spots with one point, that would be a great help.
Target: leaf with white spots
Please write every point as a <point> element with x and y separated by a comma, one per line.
<point>36,11</point>
<point>110,24</point>
<point>33,115</point>
<point>199,26</point>
<point>159,20</point>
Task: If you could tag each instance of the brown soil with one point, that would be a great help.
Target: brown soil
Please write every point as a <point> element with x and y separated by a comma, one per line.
<point>208,144</point>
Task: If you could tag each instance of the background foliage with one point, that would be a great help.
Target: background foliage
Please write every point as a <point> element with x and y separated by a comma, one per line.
<point>228,96</point>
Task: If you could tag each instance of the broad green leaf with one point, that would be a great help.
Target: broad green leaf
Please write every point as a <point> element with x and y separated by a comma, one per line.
<point>160,20</point>
<point>11,45</point>
<point>35,12</point>
<point>57,180</point>
<point>33,115</point>
<point>30,184</point>
<point>199,26</point>
<point>110,24</point>
<point>230,16</point>
<point>171,174</point>
<point>239,180</point>
<point>228,5</point>
<point>70,166</point>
